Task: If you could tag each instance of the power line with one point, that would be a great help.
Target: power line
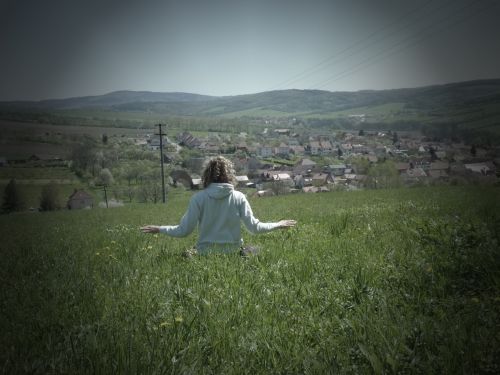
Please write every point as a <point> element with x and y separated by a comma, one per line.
<point>381,55</point>
<point>360,44</point>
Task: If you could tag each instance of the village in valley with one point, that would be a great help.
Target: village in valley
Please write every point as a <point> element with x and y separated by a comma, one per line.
<point>110,169</point>
<point>283,160</point>
<point>142,147</point>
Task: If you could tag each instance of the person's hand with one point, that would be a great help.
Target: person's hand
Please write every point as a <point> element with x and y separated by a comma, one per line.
<point>285,224</point>
<point>150,229</point>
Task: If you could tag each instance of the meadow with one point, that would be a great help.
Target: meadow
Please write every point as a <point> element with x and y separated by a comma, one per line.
<point>384,281</point>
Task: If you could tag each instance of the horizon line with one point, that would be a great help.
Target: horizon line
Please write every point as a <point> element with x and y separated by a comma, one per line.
<point>247,94</point>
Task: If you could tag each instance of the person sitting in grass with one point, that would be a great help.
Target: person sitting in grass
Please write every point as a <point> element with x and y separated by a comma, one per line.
<point>217,210</point>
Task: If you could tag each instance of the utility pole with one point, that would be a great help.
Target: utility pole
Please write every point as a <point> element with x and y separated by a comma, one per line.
<point>161,163</point>
<point>105,195</point>
<point>103,186</point>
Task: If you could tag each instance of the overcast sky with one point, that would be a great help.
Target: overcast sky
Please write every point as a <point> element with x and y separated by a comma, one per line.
<point>65,48</point>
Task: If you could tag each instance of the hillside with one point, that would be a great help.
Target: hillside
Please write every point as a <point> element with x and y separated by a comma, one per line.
<point>388,281</point>
<point>467,111</point>
<point>279,103</point>
<point>110,100</point>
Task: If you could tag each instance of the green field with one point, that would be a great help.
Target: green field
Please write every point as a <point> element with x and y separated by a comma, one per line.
<point>257,112</point>
<point>388,281</point>
<point>24,128</point>
<point>37,173</point>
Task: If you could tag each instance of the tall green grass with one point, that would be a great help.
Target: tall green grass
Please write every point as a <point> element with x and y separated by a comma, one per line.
<point>395,281</point>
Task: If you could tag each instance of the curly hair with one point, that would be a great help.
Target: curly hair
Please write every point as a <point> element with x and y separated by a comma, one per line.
<point>218,170</point>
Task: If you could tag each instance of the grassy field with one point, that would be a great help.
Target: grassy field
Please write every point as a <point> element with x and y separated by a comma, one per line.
<point>379,111</point>
<point>17,128</point>
<point>37,173</point>
<point>394,281</point>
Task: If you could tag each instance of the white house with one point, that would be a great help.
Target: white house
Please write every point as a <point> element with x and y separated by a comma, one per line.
<point>482,168</point>
<point>283,149</point>
<point>265,151</point>
<point>315,147</point>
<point>242,181</point>
<point>326,147</point>
<point>281,176</point>
<point>338,169</point>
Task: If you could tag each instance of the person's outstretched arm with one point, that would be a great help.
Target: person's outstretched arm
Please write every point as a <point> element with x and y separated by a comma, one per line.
<point>185,227</point>
<point>285,224</point>
<point>254,226</point>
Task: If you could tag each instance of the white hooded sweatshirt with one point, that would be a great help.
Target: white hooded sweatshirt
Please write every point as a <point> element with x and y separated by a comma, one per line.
<point>217,210</point>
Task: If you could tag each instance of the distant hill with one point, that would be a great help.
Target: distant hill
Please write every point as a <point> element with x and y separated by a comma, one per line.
<point>462,111</point>
<point>110,100</point>
<point>283,103</point>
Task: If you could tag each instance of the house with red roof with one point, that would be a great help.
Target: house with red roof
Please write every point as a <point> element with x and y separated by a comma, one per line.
<point>80,199</point>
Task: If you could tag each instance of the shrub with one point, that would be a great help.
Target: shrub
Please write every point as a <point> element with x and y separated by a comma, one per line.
<point>12,198</point>
<point>49,198</point>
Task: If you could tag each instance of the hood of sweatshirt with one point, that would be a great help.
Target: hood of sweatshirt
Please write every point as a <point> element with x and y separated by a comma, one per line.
<point>219,190</point>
